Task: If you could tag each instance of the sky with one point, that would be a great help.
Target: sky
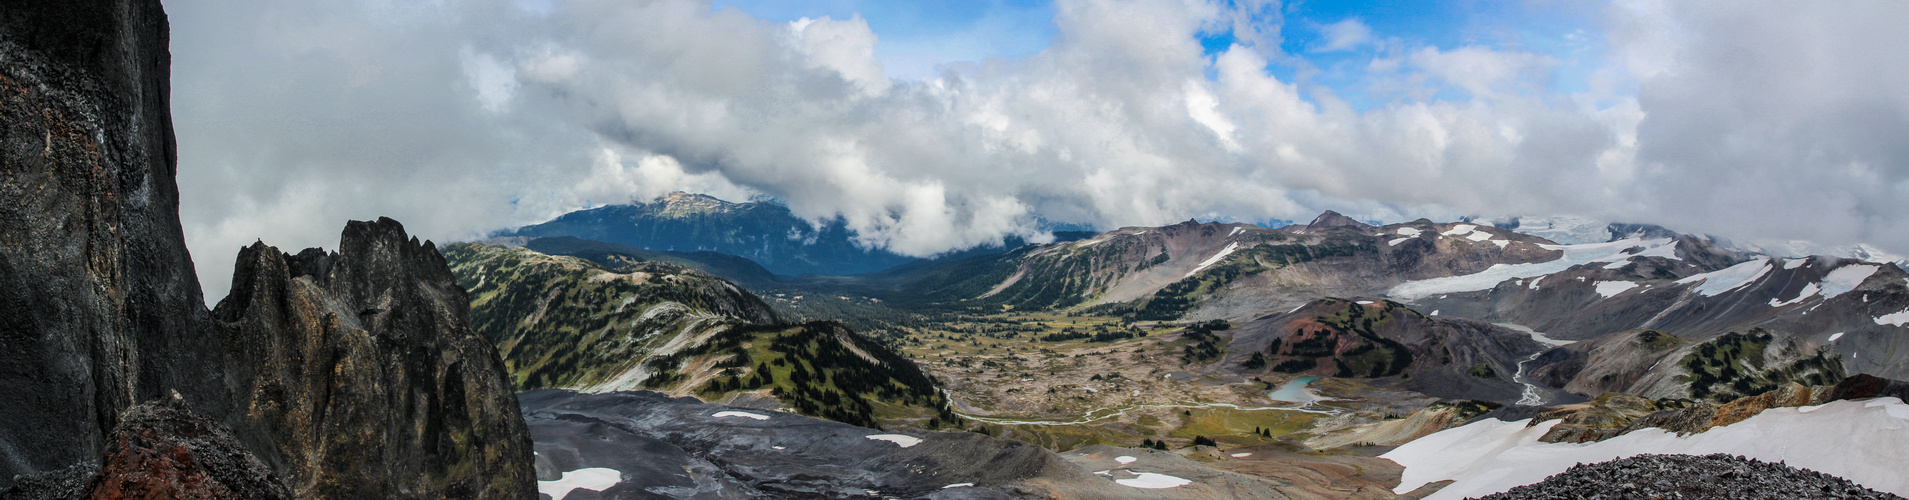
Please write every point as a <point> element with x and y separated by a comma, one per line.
<point>938,125</point>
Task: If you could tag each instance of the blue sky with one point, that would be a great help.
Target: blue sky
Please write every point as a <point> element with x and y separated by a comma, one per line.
<point>917,36</point>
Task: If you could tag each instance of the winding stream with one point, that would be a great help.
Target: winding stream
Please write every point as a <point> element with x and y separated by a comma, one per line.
<point>1533,394</point>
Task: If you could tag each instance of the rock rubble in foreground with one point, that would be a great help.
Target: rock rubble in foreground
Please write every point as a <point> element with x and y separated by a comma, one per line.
<point>1716,476</point>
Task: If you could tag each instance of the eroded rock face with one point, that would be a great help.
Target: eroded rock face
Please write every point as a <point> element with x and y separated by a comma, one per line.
<point>366,371</point>
<point>350,375</point>
<point>99,303</point>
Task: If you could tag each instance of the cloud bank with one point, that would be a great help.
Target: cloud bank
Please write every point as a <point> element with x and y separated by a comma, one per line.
<point>1752,121</point>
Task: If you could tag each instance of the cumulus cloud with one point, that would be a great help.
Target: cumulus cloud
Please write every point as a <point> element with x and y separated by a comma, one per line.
<point>1344,35</point>
<point>461,117</point>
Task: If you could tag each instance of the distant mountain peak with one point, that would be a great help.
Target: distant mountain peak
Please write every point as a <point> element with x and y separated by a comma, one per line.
<point>679,203</point>
<point>1333,220</point>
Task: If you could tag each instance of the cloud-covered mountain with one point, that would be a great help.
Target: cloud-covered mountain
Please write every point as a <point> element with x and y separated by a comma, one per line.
<point>1758,122</point>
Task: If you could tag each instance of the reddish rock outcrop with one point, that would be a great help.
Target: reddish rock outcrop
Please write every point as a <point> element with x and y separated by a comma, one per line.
<point>162,450</point>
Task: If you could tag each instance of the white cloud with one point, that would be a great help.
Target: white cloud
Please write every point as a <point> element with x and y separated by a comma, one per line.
<point>467,116</point>
<point>1344,35</point>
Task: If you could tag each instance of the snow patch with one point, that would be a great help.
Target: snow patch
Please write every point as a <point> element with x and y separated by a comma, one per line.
<point>1846,278</point>
<point>1574,255</point>
<point>1365,302</point>
<point>1501,243</point>
<point>1834,336</point>
<point>1124,460</point>
<point>1235,231</point>
<point>1153,481</point>
<point>1215,259</point>
<point>1242,455</point>
<point>1611,288</point>
<point>1894,319</point>
<point>1534,282</point>
<point>1730,278</point>
<point>593,479</point>
<point>1459,230</point>
<point>1857,440</point>
<point>1795,263</point>
<point>1479,236</point>
<point>903,440</point>
<point>1434,312</point>
<point>742,414</point>
<point>1408,232</point>
<point>1808,291</point>
<point>1397,241</point>
<point>958,485</point>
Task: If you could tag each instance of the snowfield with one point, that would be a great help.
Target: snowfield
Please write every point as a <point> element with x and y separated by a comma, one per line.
<point>1574,255</point>
<point>1862,441</point>
<point>1894,319</point>
<point>1846,278</point>
<point>593,479</point>
<point>1611,288</point>
<point>903,440</point>
<point>1730,278</point>
<point>1153,481</point>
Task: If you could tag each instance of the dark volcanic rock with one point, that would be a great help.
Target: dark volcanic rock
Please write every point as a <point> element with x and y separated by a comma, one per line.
<point>1716,476</point>
<point>365,368</point>
<point>162,450</point>
<point>99,303</point>
<point>676,448</point>
<point>1863,386</point>
<point>350,375</point>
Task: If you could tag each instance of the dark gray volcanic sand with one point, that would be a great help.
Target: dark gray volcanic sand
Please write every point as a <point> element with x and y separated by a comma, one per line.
<point>1716,476</point>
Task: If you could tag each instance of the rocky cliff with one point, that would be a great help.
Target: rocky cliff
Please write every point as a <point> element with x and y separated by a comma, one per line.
<point>99,304</point>
<point>349,375</point>
<point>365,369</point>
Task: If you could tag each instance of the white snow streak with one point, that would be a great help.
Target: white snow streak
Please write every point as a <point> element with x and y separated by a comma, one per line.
<point>1894,319</point>
<point>1729,278</point>
<point>1408,232</point>
<point>742,414</point>
<point>1215,259</point>
<point>1808,291</point>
